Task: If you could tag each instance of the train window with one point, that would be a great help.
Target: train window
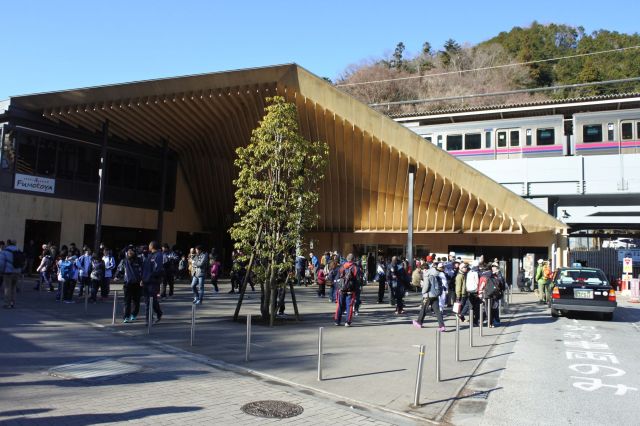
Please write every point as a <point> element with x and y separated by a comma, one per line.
<point>610,131</point>
<point>487,138</point>
<point>626,131</point>
<point>427,138</point>
<point>545,136</point>
<point>502,139</point>
<point>514,137</point>
<point>529,137</point>
<point>472,141</point>
<point>454,142</point>
<point>638,129</point>
<point>439,141</point>
<point>592,133</point>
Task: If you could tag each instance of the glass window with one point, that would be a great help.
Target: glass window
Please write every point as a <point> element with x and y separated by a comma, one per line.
<point>592,133</point>
<point>149,176</point>
<point>545,136</point>
<point>529,137</point>
<point>27,154</point>
<point>47,157</point>
<point>427,138</point>
<point>67,160</point>
<point>515,137</point>
<point>638,129</point>
<point>88,163</point>
<point>487,139</point>
<point>627,131</point>
<point>502,139</point>
<point>454,142</point>
<point>439,141</point>
<point>121,171</point>
<point>610,132</point>
<point>472,141</point>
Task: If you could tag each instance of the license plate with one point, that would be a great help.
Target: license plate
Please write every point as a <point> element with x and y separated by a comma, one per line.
<point>582,294</point>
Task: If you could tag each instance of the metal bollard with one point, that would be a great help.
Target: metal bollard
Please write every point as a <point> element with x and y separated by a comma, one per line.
<point>115,301</point>
<point>416,395</point>
<point>193,323</point>
<point>471,319</point>
<point>248,349</point>
<point>438,333</point>
<point>320,353</point>
<point>481,317</point>
<point>86,301</point>
<point>458,338</point>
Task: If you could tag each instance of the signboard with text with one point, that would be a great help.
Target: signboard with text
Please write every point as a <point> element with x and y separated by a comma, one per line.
<point>34,184</point>
<point>634,254</point>
<point>627,265</point>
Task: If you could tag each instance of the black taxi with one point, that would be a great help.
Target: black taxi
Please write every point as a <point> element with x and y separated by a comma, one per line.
<point>582,289</point>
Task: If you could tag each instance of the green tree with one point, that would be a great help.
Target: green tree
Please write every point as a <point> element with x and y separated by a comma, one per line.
<point>451,50</point>
<point>397,61</point>
<point>276,192</point>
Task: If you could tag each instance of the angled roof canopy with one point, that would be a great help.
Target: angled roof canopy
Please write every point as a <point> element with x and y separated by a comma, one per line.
<point>206,117</point>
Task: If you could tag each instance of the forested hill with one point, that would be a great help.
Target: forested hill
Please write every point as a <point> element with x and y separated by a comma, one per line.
<point>457,70</point>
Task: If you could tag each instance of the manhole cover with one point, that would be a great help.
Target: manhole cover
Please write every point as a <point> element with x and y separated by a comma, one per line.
<point>94,369</point>
<point>272,409</point>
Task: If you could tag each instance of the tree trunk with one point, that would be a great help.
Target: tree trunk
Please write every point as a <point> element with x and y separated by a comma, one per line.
<point>293,301</point>
<point>266,300</point>
<point>243,287</point>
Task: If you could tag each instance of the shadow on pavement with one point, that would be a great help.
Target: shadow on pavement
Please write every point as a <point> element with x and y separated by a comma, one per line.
<point>92,419</point>
<point>475,395</point>
<point>15,413</point>
<point>366,374</point>
<point>472,375</point>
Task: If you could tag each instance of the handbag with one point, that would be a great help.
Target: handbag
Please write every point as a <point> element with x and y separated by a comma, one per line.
<point>456,307</point>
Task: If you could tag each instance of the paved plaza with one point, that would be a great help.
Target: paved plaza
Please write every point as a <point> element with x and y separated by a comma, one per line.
<point>369,374</point>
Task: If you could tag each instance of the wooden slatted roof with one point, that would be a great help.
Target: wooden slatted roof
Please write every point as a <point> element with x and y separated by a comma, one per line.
<point>206,117</point>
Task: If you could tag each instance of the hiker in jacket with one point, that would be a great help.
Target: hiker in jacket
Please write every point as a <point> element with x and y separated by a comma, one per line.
<point>44,269</point>
<point>473,298</point>
<point>332,278</point>
<point>169,262</point>
<point>83,265</point>
<point>152,272</point>
<point>67,276</point>
<point>461,291</point>
<point>109,268</point>
<point>9,272</point>
<point>130,271</point>
<point>543,282</point>
<point>347,293</point>
<point>200,264</point>
<point>381,278</point>
<point>432,287</point>
<point>96,274</point>
<point>216,269</point>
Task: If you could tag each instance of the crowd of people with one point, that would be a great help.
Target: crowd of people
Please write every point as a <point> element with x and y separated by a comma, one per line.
<point>150,272</point>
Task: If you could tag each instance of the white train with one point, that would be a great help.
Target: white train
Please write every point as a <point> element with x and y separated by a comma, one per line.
<point>605,132</point>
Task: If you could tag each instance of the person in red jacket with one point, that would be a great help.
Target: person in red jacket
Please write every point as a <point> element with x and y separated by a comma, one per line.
<point>322,280</point>
<point>347,291</point>
<point>215,273</point>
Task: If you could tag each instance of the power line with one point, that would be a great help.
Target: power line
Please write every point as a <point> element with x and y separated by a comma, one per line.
<point>509,92</point>
<point>579,55</point>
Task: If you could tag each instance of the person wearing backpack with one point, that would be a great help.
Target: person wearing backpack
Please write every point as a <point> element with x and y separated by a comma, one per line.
<point>471,284</point>
<point>432,287</point>
<point>130,269</point>
<point>44,269</point>
<point>97,276</point>
<point>109,268</point>
<point>152,272</point>
<point>347,291</point>
<point>460,286</point>
<point>492,292</point>
<point>66,274</point>
<point>11,264</point>
<point>83,265</point>
<point>216,269</point>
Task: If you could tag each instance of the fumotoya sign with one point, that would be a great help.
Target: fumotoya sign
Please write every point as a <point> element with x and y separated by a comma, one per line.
<point>34,184</point>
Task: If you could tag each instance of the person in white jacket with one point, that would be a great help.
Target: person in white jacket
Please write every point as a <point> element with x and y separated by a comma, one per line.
<point>473,300</point>
<point>109,269</point>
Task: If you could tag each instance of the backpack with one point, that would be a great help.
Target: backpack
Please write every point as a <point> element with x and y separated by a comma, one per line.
<point>66,270</point>
<point>347,282</point>
<point>546,271</point>
<point>472,282</point>
<point>19,260</point>
<point>491,287</point>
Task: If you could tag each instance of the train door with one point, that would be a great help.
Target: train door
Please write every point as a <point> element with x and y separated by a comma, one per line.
<point>629,136</point>
<point>509,143</point>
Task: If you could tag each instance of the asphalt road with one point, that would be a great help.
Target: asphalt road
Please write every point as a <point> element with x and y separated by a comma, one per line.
<point>577,370</point>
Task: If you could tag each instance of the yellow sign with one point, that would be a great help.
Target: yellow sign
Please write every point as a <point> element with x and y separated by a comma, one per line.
<point>627,265</point>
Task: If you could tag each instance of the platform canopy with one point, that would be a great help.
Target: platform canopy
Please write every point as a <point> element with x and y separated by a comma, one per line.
<point>206,117</point>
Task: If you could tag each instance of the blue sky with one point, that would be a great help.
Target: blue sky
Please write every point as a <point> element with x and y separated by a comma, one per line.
<point>63,44</point>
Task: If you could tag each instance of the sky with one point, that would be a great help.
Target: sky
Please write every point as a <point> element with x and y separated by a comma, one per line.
<point>64,44</point>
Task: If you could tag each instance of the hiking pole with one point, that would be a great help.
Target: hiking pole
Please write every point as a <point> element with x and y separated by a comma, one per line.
<point>86,299</point>
<point>458,338</point>
<point>471,319</point>
<point>193,323</point>
<point>416,395</point>
<point>115,301</point>
<point>481,307</point>
<point>320,353</point>
<point>248,349</point>
<point>150,315</point>
<point>438,333</point>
